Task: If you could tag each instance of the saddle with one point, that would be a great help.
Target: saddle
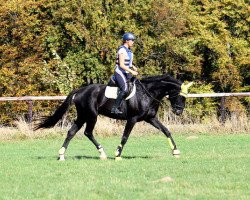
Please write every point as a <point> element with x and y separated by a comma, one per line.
<point>112,89</point>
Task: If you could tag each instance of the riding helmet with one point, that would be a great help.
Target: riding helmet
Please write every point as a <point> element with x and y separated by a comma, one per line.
<point>128,36</point>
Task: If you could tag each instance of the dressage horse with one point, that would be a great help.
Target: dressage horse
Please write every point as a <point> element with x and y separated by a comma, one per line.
<point>90,101</point>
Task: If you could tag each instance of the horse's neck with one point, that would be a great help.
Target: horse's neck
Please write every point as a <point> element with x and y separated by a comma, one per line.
<point>159,86</point>
<point>157,89</point>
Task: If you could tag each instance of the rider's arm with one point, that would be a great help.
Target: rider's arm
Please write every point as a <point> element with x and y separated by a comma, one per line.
<point>122,65</point>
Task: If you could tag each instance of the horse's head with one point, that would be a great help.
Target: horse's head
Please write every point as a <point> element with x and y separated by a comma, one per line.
<point>167,85</point>
<point>177,97</point>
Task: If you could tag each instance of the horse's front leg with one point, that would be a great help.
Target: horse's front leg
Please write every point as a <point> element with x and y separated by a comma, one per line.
<point>157,124</point>
<point>128,128</point>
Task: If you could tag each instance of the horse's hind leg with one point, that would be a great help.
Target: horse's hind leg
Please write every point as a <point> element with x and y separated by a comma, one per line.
<point>89,134</point>
<point>71,133</point>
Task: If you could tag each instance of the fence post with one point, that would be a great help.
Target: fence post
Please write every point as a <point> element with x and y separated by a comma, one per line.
<point>30,107</point>
<point>222,110</point>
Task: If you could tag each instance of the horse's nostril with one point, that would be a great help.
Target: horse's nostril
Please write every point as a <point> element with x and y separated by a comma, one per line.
<point>177,112</point>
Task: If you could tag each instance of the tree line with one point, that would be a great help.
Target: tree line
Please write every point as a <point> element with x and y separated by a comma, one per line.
<point>49,47</point>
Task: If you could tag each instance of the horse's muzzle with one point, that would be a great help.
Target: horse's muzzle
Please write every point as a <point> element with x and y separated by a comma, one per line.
<point>177,111</point>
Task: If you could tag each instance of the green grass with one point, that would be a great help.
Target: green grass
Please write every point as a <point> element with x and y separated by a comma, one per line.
<point>210,167</point>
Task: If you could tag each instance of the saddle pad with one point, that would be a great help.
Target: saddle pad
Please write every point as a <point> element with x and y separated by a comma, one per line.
<point>111,92</point>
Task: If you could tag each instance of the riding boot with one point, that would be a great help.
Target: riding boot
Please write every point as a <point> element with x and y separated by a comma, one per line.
<point>118,101</point>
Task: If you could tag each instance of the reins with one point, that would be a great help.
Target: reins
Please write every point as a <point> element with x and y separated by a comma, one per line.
<point>170,97</point>
<point>148,92</point>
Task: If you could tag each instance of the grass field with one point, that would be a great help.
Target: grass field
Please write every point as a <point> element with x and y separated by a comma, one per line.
<point>210,167</point>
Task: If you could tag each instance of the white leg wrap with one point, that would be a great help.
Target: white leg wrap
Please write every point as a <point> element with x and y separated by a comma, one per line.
<point>62,151</point>
<point>61,154</point>
<point>103,155</point>
<point>117,153</point>
<point>176,153</point>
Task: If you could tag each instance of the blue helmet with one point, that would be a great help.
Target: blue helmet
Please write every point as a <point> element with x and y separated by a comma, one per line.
<point>128,36</point>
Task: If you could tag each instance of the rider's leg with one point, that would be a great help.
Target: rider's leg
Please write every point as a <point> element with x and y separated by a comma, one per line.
<point>122,83</point>
<point>117,104</point>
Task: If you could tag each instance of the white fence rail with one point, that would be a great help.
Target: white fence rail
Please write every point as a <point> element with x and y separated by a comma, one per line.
<point>41,98</point>
<point>30,100</point>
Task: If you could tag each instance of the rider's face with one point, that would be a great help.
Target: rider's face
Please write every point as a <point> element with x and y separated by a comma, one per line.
<point>130,43</point>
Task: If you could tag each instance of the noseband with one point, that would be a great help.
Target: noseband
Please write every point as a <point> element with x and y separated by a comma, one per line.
<point>175,105</point>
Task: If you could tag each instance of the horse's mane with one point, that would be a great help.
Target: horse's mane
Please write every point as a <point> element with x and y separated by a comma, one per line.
<point>164,77</point>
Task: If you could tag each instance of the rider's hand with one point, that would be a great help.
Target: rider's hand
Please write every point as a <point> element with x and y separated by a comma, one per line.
<point>134,73</point>
<point>134,68</point>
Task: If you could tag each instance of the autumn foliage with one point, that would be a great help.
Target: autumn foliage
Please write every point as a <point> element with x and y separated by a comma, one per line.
<point>49,47</point>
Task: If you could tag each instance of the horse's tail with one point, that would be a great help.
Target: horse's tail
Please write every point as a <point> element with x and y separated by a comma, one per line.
<point>50,121</point>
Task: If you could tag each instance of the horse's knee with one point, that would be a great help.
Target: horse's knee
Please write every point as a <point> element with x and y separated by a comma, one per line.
<point>88,135</point>
<point>124,140</point>
<point>71,133</point>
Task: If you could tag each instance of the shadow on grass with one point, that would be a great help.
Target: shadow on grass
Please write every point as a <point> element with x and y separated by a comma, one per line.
<point>88,157</point>
<point>78,157</point>
<point>112,158</point>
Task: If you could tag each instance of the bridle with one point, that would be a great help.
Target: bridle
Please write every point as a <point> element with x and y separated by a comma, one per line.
<point>176,105</point>
<point>169,96</point>
<point>148,93</point>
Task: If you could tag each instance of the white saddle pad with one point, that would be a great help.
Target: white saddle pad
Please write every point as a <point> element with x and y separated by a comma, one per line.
<point>111,92</point>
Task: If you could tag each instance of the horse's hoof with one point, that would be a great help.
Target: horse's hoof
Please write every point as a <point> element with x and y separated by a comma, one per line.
<point>103,158</point>
<point>61,158</point>
<point>103,155</point>
<point>176,153</point>
<point>118,158</point>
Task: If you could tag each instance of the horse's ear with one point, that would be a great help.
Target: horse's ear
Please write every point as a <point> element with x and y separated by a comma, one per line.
<point>184,89</point>
<point>190,84</point>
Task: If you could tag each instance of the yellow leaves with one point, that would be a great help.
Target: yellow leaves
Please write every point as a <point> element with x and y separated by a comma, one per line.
<point>207,40</point>
<point>233,104</point>
<point>228,77</point>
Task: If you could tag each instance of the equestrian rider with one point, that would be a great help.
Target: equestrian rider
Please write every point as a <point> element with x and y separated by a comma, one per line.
<point>124,69</point>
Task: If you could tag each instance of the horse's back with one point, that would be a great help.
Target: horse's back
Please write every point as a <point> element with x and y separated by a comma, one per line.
<point>92,101</point>
<point>89,93</point>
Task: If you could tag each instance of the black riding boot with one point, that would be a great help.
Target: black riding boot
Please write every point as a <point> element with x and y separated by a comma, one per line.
<point>118,102</point>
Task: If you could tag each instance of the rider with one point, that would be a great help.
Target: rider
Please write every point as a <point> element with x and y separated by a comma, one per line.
<point>124,69</point>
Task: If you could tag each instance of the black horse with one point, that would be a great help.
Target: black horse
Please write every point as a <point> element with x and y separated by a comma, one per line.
<point>90,101</point>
